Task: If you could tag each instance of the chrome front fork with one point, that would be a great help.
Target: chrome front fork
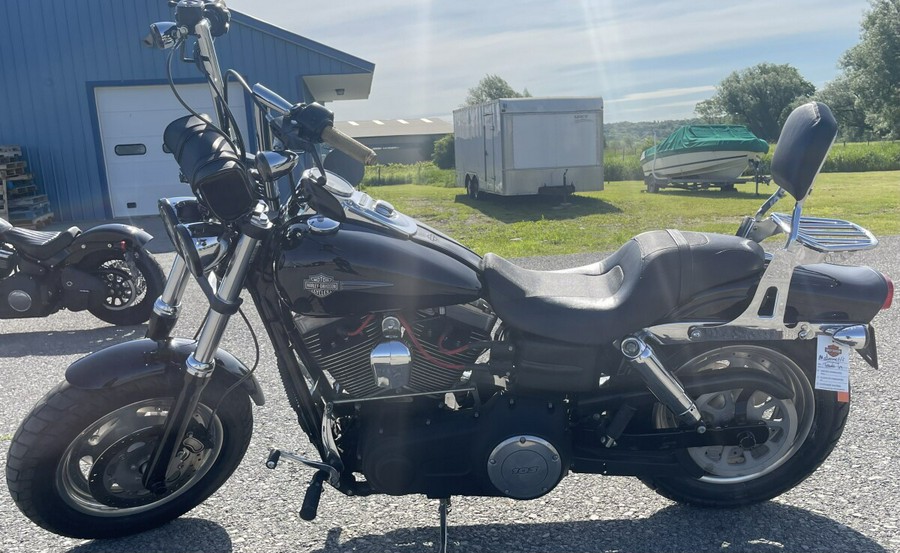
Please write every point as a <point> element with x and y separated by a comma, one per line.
<point>200,364</point>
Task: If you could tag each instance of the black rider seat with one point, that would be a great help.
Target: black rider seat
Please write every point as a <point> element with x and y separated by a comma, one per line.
<point>37,244</point>
<point>639,284</point>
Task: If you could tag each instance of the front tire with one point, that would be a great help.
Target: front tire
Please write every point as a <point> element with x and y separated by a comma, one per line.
<point>803,430</point>
<point>75,463</point>
<point>131,288</point>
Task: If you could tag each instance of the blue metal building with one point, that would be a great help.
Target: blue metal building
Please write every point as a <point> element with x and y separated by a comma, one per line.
<point>87,102</point>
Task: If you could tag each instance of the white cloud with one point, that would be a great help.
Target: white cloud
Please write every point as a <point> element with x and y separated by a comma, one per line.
<point>428,53</point>
<point>664,93</point>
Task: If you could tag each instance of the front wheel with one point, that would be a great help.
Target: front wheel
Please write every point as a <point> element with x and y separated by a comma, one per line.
<point>133,280</point>
<point>803,429</point>
<point>76,463</point>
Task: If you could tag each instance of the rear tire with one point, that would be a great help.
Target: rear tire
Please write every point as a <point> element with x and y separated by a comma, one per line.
<point>74,465</point>
<point>130,291</point>
<point>803,429</point>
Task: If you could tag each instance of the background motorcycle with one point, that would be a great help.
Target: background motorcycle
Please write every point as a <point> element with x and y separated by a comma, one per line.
<point>414,366</point>
<point>105,269</point>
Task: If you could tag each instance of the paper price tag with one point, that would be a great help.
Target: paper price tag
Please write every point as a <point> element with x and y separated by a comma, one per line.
<point>832,365</point>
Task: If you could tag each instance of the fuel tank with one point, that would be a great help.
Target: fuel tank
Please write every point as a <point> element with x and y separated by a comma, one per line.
<point>358,268</point>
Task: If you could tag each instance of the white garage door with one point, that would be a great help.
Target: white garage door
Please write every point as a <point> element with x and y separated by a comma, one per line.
<point>132,120</point>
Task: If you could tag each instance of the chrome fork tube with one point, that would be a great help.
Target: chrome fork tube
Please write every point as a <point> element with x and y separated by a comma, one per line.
<point>165,309</point>
<point>200,364</point>
<point>228,292</point>
<point>660,381</point>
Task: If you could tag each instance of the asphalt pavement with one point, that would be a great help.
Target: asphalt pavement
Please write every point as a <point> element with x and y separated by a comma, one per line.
<point>852,503</point>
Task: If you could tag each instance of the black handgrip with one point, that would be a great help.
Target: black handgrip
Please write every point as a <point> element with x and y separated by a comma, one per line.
<point>313,494</point>
<point>357,150</point>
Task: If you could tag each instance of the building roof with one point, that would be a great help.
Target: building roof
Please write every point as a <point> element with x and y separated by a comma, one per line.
<point>395,127</point>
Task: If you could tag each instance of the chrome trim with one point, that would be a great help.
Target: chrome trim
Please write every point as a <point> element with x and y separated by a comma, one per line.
<point>391,362</point>
<point>210,61</point>
<point>659,380</point>
<point>230,288</point>
<point>198,369</point>
<point>333,474</point>
<point>365,206</point>
<point>271,99</point>
<point>828,235</point>
<point>319,224</point>
<point>750,325</point>
<point>170,300</point>
<point>856,336</point>
<point>402,396</point>
<point>328,423</point>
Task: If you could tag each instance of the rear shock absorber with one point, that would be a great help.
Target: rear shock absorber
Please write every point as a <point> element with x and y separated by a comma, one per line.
<point>661,382</point>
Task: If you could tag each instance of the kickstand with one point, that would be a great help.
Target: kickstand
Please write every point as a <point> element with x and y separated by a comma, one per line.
<point>444,510</point>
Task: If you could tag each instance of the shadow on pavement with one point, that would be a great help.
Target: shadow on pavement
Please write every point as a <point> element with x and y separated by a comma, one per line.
<point>764,528</point>
<point>67,342</point>
<point>184,535</point>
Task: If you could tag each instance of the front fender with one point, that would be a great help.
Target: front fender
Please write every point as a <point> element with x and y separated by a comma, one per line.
<point>130,361</point>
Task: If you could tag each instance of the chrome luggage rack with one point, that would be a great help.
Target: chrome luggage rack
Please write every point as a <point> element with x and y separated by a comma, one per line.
<point>828,235</point>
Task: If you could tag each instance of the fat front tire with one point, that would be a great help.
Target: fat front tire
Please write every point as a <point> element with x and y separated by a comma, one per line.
<point>803,430</point>
<point>75,464</point>
<point>131,288</point>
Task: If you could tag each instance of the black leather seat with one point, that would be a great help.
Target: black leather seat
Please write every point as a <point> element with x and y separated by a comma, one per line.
<point>37,244</point>
<point>634,287</point>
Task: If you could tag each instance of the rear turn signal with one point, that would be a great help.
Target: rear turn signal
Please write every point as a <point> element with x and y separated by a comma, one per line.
<point>890,292</point>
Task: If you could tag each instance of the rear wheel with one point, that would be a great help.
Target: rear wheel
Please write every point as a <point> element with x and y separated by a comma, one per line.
<point>75,464</point>
<point>803,429</point>
<point>133,281</point>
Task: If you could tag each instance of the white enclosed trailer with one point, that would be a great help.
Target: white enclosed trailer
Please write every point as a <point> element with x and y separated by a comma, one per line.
<point>519,146</point>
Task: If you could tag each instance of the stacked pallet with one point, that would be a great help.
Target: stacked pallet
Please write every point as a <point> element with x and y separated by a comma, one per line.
<point>20,203</point>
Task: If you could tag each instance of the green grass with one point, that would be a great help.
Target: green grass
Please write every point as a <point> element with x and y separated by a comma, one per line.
<point>602,221</point>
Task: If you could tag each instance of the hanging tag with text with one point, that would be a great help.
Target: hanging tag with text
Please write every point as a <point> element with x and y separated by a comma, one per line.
<point>833,367</point>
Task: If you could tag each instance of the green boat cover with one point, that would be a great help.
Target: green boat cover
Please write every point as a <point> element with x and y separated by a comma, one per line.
<point>708,138</point>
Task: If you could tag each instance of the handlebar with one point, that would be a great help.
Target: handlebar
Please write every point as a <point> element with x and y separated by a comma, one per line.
<point>353,148</point>
<point>315,120</point>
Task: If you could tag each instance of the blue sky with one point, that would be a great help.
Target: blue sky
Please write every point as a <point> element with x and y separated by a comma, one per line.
<point>649,60</point>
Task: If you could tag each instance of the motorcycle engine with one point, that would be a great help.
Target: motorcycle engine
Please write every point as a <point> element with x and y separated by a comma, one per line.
<point>23,295</point>
<point>372,354</point>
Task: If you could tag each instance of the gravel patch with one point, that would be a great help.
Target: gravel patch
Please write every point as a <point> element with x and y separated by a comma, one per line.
<point>849,504</point>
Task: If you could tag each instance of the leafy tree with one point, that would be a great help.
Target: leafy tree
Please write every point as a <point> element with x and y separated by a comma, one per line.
<point>847,109</point>
<point>872,67</point>
<point>759,97</point>
<point>493,87</point>
<point>444,155</point>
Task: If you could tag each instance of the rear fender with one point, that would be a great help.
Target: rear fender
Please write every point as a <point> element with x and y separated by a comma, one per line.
<point>130,361</point>
<point>104,237</point>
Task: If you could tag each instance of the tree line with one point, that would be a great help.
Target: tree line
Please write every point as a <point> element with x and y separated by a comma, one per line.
<point>865,97</point>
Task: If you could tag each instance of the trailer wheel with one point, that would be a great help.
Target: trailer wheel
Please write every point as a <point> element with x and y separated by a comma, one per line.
<point>652,185</point>
<point>728,187</point>
<point>472,188</point>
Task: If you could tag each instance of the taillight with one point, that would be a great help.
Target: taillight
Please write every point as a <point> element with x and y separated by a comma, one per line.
<point>890,291</point>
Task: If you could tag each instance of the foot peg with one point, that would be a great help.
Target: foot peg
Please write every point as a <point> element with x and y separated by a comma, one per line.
<point>313,494</point>
<point>314,491</point>
<point>660,381</point>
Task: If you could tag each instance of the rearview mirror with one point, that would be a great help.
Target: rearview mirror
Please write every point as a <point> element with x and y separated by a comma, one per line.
<point>163,35</point>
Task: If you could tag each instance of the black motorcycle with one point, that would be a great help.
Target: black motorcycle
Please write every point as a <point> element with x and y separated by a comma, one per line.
<point>105,269</point>
<point>713,371</point>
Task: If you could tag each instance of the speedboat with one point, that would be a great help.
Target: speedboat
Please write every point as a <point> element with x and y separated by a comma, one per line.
<point>703,153</point>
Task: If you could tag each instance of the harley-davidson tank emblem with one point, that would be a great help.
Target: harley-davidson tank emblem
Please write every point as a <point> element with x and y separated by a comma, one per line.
<point>321,285</point>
